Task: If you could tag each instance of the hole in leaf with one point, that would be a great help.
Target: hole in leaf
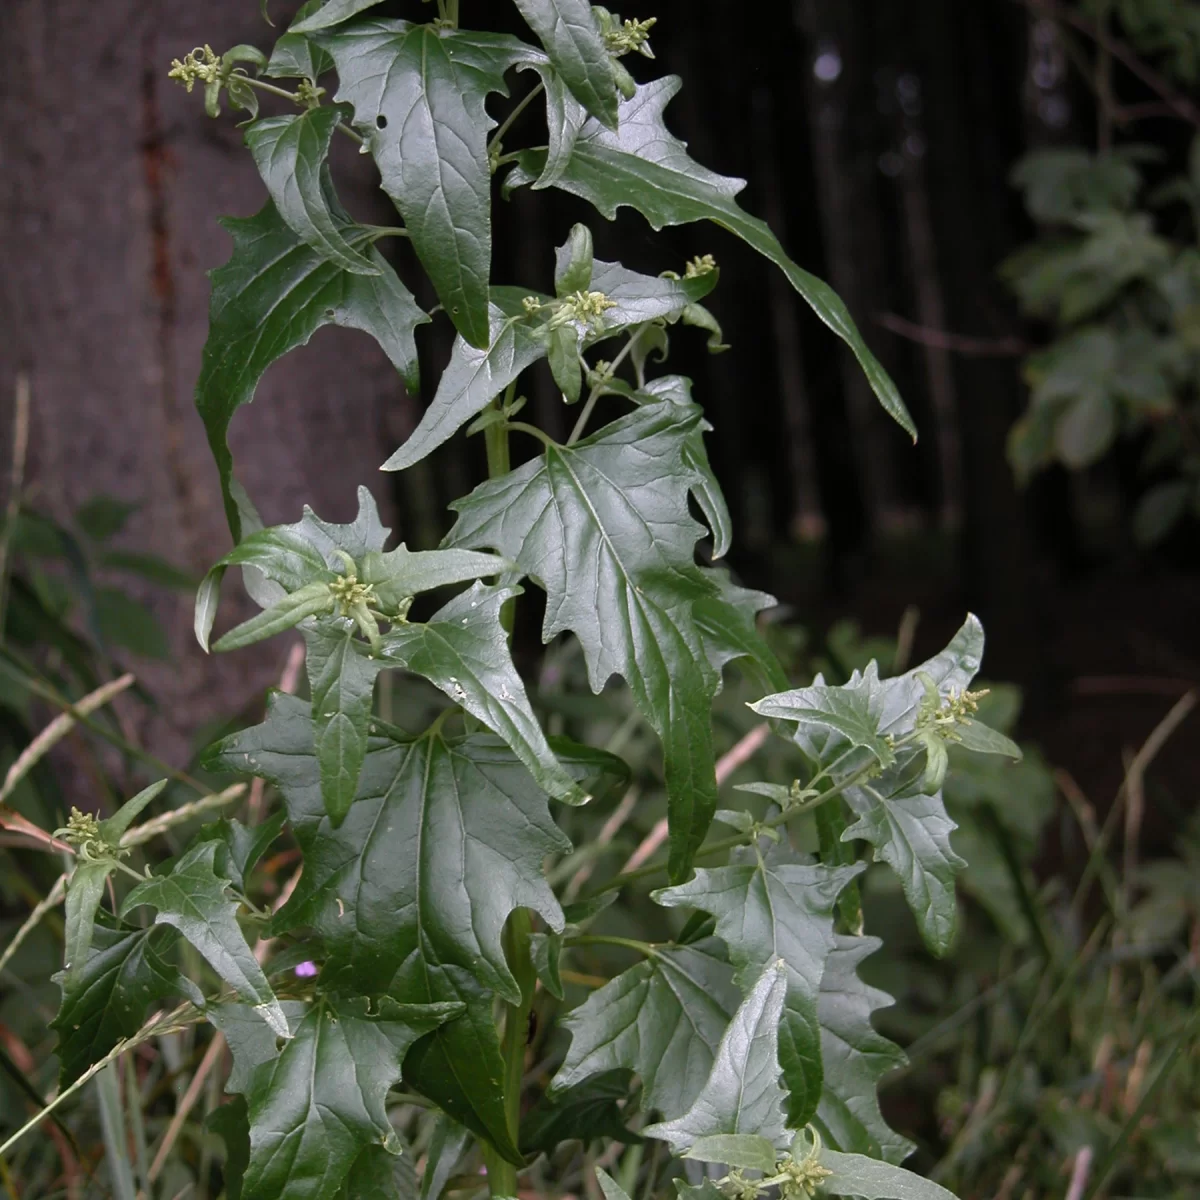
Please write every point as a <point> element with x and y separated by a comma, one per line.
<point>381,121</point>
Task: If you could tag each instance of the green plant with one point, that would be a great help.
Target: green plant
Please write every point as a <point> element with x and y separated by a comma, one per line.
<point>421,946</point>
<point>1115,272</point>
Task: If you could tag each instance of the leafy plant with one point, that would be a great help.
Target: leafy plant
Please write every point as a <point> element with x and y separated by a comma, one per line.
<point>1114,274</point>
<point>421,942</point>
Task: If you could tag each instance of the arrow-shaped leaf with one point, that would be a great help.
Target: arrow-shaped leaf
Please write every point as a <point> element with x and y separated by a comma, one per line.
<point>193,899</point>
<point>642,165</point>
<point>742,1094</point>
<point>418,93</point>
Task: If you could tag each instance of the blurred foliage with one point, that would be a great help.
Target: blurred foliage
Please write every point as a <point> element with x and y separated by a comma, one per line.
<point>1114,274</point>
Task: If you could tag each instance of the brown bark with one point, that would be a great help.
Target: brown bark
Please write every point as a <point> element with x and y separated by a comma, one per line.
<point>111,182</point>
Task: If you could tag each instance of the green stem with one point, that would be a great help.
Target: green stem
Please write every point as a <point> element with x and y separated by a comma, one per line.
<point>270,88</point>
<point>597,939</point>
<point>502,1175</point>
<point>598,390</point>
<point>508,122</point>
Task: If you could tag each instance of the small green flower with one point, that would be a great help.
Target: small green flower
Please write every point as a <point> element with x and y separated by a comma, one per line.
<point>584,307</point>
<point>200,65</point>
<point>702,264</point>
<point>82,831</point>
<point>628,36</point>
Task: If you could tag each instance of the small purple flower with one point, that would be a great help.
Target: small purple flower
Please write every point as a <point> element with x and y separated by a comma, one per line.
<point>306,970</point>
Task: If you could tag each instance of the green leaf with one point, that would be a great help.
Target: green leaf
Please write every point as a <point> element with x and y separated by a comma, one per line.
<point>321,1102</point>
<point>745,1150</point>
<point>546,949</point>
<point>474,377</point>
<point>418,93</point>
<point>855,1056</point>
<point>444,841</point>
<point>272,296</point>
<point>848,710</point>
<point>115,827</point>
<point>341,677</point>
<point>241,847</point>
<point>644,166</point>
<point>908,829</point>
<point>334,12</point>
<point>975,735</point>
<point>603,526</point>
<point>742,1094</point>
<point>662,1019</point>
<point>314,599</point>
<point>251,1040</point>
<point>770,909</point>
<point>85,890</point>
<point>565,117</point>
<point>377,1174</point>
<point>290,153</point>
<point>589,1111</point>
<point>569,32</point>
<point>106,996</point>
<point>611,1189</point>
<point>400,574</point>
<point>193,899</point>
<point>463,650</point>
<point>857,1175</point>
<point>563,355</point>
<point>573,262</point>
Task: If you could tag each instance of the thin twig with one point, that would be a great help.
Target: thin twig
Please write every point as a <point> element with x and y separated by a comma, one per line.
<point>1079,1175</point>
<point>56,731</point>
<point>194,808</point>
<point>940,339</point>
<point>43,906</point>
<point>211,1057</point>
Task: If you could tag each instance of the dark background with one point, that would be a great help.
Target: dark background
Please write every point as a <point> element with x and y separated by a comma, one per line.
<point>876,136</point>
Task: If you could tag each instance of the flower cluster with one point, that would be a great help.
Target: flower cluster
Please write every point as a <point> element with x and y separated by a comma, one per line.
<point>200,65</point>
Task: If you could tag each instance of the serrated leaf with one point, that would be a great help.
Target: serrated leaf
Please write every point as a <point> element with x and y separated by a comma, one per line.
<point>603,526</point>
<point>769,909</point>
<point>644,166</point>
<point>742,1094</point>
<point>334,12</point>
<point>745,1150</point>
<point>270,297</point>
<point>400,574</point>
<point>662,1019</point>
<point>411,892</point>
<point>846,710</point>
<point>378,1174</point>
<point>297,56</point>
<point>321,1102</point>
<point>252,1041</point>
<point>106,996</point>
<point>855,1056</point>
<point>473,377</point>
<point>463,650</point>
<point>290,153</point>
<point>908,829</point>
<point>341,679</point>
<point>568,31</point>
<point>565,117</point>
<point>857,1175</point>
<point>418,93</point>
<point>193,899</point>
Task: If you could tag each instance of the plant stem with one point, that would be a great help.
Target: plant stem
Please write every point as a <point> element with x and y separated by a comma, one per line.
<point>508,121</point>
<point>597,939</point>
<point>502,1175</point>
<point>270,88</point>
<point>598,390</point>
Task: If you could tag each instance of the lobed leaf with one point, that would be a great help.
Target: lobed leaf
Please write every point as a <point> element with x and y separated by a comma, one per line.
<point>418,93</point>
<point>642,165</point>
<point>857,1175</point>
<point>272,296</point>
<point>662,1019</point>
<point>568,31</point>
<point>742,1094</point>
<point>769,909</point>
